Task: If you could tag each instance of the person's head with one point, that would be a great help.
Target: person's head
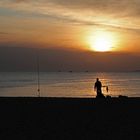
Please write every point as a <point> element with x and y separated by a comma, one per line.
<point>97,79</point>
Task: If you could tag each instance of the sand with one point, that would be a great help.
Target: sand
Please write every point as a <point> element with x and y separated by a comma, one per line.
<point>25,118</point>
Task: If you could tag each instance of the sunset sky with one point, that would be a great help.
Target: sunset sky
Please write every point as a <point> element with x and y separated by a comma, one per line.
<point>105,28</point>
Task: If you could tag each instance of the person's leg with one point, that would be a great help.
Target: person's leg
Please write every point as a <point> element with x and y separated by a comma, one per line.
<point>99,93</point>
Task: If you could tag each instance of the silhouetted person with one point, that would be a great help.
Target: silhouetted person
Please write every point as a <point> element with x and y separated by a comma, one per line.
<point>98,88</point>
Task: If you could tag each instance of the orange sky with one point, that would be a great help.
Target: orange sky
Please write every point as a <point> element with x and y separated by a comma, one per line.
<point>63,24</point>
<point>76,29</point>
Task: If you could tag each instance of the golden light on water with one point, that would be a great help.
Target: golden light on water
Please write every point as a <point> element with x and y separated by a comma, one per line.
<point>102,41</point>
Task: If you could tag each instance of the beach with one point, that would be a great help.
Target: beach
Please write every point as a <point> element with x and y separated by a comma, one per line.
<point>69,118</point>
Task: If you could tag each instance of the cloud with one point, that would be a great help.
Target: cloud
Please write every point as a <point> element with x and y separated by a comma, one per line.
<point>20,0</point>
<point>102,6</point>
<point>124,14</point>
<point>24,59</point>
<point>4,33</point>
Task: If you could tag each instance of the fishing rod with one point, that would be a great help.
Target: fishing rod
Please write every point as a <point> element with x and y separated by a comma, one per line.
<point>38,76</point>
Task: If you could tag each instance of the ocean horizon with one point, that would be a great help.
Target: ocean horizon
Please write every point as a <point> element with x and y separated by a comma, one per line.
<point>68,84</point>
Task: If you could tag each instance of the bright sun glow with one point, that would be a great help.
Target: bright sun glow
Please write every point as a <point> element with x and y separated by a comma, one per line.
<point>101,41</point>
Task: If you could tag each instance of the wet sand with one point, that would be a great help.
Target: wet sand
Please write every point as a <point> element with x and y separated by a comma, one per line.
<point>69,118</point>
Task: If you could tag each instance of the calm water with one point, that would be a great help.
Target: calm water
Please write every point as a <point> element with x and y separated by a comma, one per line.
<point>68,84</point>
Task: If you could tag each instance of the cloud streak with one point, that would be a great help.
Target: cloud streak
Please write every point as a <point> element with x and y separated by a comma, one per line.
<point>122,14</point>
<point>3,33</point>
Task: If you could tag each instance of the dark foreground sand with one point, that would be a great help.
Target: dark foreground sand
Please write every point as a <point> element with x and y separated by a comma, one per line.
<point>69,118</point>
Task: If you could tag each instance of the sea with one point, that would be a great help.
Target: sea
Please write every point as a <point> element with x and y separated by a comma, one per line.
<point>68,84</point>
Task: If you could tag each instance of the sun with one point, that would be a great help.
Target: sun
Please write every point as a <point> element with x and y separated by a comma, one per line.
<point>102,44</point>
<point>101,41</point>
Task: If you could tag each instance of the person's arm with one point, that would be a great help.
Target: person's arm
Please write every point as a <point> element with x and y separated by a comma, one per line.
<point>106,88</point>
